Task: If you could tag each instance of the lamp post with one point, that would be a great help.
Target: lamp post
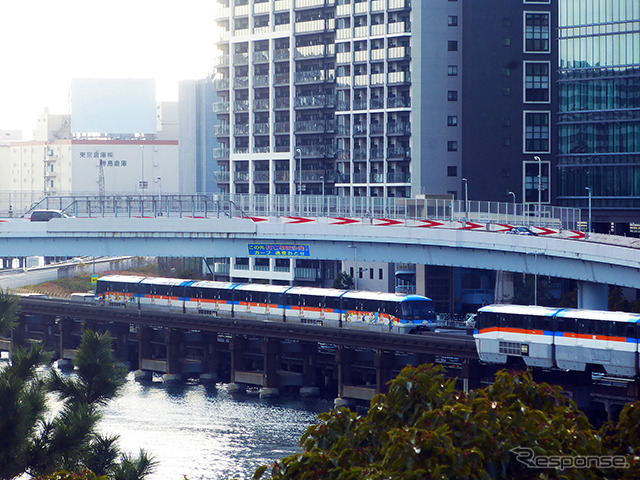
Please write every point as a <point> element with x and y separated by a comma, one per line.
<point>466,200</point>
<point>322,180</point>
<point>539,188</point>
<point>588,189</point>
<point>299,152</point>
<point>143,184</point>
<point>514,204</point>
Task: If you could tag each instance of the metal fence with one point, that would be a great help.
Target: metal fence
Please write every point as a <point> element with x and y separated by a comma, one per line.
<point>219,205</point>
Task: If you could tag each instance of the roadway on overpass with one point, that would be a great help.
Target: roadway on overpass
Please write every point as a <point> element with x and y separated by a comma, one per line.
<point>600,259</point>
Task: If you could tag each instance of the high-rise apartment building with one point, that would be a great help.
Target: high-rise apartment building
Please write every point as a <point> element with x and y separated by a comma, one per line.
<point>339,97</point>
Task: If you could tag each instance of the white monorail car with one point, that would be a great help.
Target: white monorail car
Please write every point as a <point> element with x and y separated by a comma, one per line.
<point>320,306</point>
<point>567,339</point>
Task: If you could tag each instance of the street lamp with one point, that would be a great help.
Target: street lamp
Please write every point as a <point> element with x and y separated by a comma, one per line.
<point>299,179</point>
<point>539,188</point>
<point>143,184</point>
<point>589,219</point>
<point>514,204</point>
<point>322,180</point>
<point>466,200</point>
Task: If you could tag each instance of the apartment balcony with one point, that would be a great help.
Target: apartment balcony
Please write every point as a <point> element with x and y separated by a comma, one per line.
<point>343,33</point>
<point>221,268</point>
<point>262,149</point>
<point>399,53</point>
<point>241,106</point>
<point>221,177</point>
<point>282,103</point>
<point>261,57</point>
<point>261,7</point>
<point>312,151</point>
<point>359,103</point>
<point>377,5</point>
<point>315,126</point>
<point>223,13</point>
<point>342,105</point>
<point>241,150</point>
<point>313,26</point>
<point>342,154</point>
<point>282,27</point>
<point>221,153</point>
<point>281,55</point>
<point>242,32</point>
<point>376,154</point>
<point>261,129</point>
<point>281,5</point>
<point>241,129</point>
<point>281,176</point>
<point>261,81</point>
<point>221,84</point>
<point>223,36</point>
<point>241,82</point>
<point>399,177</point>
<point>343,178</point>
<point>377,54</point>
<point>398,153</point>
<point>281,127</point>
<point>241,58</point>
<point>306,273</point>
<point>361,80</point>
<point>344,130</point>
<point>344,82</point>
<point>399,128</point>
<point>260,104</point>
<point>397,78</point>
<point>313,51</point>
<point>309,175</point>
<point>343,57</point>
<point>399,4</point>
<point>242,176</point>
<point>398,102</point>
<point>261,175</point>
<point>378,29</point>
<point>315,76</point>
<point>376,103</point>
<point>241,11</point>
<point>359,130</point>
<point>262,29</point>
<point>221,107</point>
<point>398,28</point>
<point>359,177</point>
<point>343,10</point>
<point>362,31</point>
<point>359,154</point>
<point>280,79</point>
<point>221,130</point>
<point>376,178</point>
<point>221,61</point>
<point>315,101</point>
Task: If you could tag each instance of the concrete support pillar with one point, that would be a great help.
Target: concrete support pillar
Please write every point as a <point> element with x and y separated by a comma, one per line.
<point>471,375</point>
<point>236,347</point>
<point>344,359</point>
<point>209,358</point>
<point>593,296</point>
<point>66,328</point>
<point>309,359</point>
<point>120,334</point>
<point>270,383</point>
<point>145,349</point>
<point>504,290</point>
<point>18,334</point>
<point>172,340</point>
<point>383,361</point>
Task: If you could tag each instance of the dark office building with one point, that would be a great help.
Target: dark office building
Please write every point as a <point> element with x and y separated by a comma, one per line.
<point>598,117</point>
<point>508,101</point>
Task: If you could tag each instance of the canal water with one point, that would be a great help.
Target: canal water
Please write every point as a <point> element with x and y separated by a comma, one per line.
<point>205,432</point>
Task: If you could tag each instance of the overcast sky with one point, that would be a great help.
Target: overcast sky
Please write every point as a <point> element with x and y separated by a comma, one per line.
<point>44,44</point>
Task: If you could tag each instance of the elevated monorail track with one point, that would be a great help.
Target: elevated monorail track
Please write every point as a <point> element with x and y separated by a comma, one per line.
<point>462,346</point>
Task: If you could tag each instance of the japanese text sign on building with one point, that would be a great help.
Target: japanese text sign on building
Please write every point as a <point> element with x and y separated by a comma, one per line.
<point>278,250</point>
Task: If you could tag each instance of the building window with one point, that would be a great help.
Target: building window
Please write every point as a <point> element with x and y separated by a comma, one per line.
<point>536,132</point>
<point>452,70</point>
<point>506,72</point>
<point>452,171</point>
<point>536,32</point>
<point>452,95</point>
<point>452,120</point>
<point>380,274</point>
<point>536,82</point>
<point>452,20</point>
<point>452,46</point>
<point>506,41</point>
<point>537,1</point>
<point>452,146</point>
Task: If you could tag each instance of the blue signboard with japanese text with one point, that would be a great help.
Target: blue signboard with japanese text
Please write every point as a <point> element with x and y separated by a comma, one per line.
<point>278,250</point>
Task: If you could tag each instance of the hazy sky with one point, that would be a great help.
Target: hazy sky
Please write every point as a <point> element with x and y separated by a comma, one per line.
<point>44,44</point>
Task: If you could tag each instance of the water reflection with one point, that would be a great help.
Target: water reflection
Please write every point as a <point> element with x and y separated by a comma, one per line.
<point>206,432</point>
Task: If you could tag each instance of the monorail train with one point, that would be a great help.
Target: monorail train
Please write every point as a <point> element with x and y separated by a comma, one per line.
<point>320,306</point>
<point>567,339</point>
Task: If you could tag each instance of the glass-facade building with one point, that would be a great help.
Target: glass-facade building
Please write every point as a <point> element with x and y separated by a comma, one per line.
<point>598,116</point>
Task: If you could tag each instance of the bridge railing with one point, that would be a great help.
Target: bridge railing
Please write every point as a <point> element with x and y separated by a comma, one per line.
<point>256,205</point>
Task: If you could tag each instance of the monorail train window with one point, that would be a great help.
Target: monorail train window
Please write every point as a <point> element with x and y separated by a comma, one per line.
<point>582,326</point>
<point>565,324</point>
<point>542,323</point>
<point>416,309</point>
<point>332,302</point>
<point>277,299</point>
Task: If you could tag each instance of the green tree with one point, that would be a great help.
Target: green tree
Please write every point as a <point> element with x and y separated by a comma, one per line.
<point>343,281</point>
<point>423,428</point>
<point>9,309</point>
<point>35,441</point>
